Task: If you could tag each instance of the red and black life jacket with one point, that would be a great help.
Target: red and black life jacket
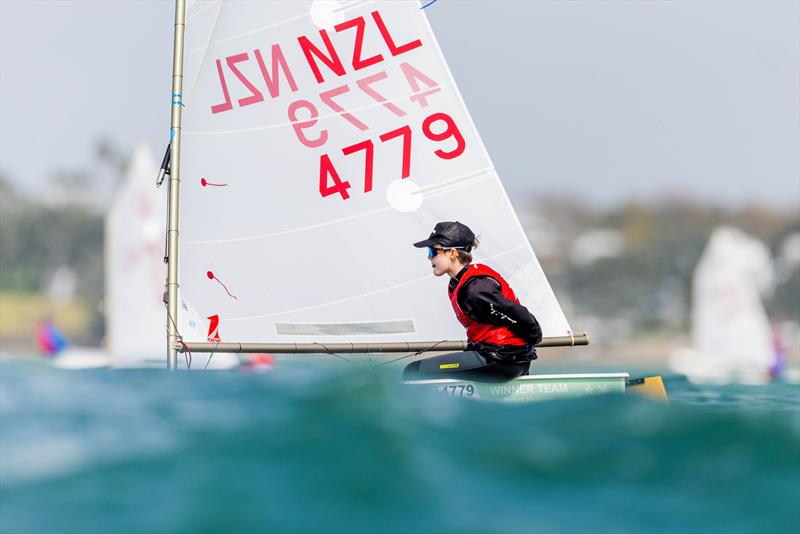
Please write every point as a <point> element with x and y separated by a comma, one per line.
<point>482,332</point>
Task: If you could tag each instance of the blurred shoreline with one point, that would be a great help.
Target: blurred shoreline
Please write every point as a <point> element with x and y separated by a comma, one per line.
<point>623,274</point>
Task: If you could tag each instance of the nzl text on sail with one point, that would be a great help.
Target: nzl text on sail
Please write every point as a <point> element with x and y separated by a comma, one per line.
<point>317,60</point>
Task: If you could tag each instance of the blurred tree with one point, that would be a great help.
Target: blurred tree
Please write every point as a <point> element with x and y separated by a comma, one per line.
<point>664,242</point>
<point>36,241</point>
<point>10,200</point>
<point>36,238</point>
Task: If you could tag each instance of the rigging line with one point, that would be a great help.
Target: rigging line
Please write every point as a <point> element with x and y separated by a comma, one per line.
<point>188,356</point>
<point>362,295</point>
<point>320,117</point>
<point>189,352</point>
<point>328,351</point>
<point>412,355</point>
<point>180,338</point>
<point>211,355</point>
<point>166,240</point>
<point>468,176</point>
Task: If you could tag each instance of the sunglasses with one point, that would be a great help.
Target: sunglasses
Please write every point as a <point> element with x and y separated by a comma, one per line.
<point>434,251</point>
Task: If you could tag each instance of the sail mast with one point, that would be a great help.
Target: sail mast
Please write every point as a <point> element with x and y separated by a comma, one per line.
<point>174,185</point>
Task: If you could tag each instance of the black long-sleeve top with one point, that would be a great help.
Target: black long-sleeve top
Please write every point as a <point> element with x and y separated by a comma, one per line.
<point>481,300</point>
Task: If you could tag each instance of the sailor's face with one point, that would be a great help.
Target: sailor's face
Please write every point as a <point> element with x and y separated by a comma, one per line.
<point>441,260</point>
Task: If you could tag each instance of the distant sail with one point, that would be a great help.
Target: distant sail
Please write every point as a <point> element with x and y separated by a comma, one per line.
<point>731,335</point>
<point>319,141</point>
<point>134,266</point>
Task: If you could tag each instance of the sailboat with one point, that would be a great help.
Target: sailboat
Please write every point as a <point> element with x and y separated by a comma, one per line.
<point>133,270</point>
<point>134,266</point>
<point>732,340</point>
<point>311,143</point>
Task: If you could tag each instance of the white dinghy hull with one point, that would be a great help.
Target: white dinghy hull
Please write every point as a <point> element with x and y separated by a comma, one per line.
<point>548,387</point>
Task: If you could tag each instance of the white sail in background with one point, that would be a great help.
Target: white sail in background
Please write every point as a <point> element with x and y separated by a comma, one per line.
<point>319,141</point>
<point>731,334</point>
<point>134,266</point>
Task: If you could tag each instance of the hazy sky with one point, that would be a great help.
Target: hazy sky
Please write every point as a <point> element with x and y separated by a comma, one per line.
<point>607,101</point>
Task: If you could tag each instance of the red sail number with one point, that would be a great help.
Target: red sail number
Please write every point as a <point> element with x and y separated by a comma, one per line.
<point>431,128</point>
<point>327,170</point>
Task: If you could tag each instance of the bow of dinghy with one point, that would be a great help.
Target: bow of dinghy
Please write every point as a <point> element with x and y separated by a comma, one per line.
<point>650,387</point>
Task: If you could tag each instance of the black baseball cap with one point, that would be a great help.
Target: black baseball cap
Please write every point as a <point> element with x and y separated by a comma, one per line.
<point>449,234</point>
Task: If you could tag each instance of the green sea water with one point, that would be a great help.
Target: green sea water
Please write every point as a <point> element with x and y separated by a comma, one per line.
<point>343,448</point>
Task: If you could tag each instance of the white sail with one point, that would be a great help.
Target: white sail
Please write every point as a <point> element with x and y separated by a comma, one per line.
<point>134,266</point>
<point>731,334</point>
<point>283,99</point>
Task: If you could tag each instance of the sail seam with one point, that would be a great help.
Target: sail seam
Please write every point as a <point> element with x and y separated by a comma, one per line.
<point>352,5</point>
<point>193,82</point>
<point>201,10</point>
<point>470,177</point>
<point>257,30</point>
<point>284,232</point>
<point>451,181</point>
<point>461,185</point>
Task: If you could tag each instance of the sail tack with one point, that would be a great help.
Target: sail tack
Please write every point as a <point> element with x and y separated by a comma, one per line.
<point>320,139</point>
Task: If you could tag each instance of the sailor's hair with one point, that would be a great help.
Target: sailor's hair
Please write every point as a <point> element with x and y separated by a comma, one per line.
<point>464,256</point>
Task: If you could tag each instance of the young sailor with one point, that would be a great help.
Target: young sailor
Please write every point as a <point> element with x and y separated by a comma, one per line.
<point>502,333</point>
